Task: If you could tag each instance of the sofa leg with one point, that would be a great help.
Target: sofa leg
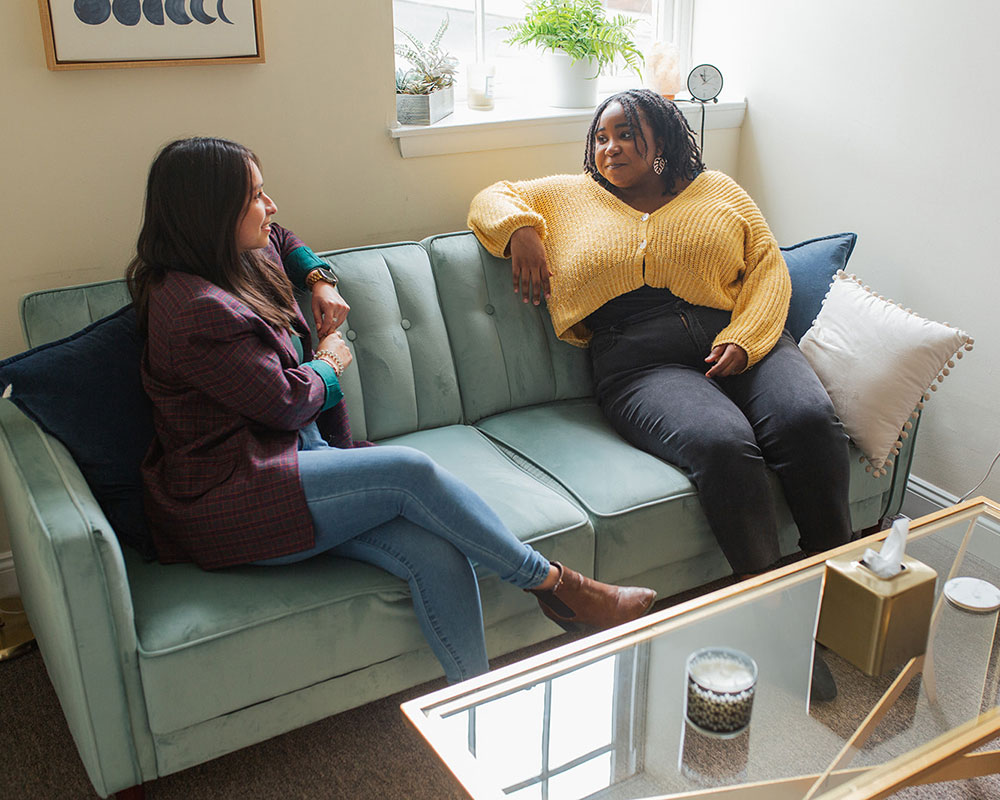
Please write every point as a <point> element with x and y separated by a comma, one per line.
<point>883,524</point>
<point>132,793</point>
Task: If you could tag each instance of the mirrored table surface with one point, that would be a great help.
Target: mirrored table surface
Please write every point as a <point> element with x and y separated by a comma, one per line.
<point>603,717</point>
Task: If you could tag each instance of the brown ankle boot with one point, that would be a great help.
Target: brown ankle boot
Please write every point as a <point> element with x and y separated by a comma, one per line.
<point>577,603</point>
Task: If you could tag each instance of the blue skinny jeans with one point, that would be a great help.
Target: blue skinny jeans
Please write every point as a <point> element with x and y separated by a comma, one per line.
<point>727,433</point>
<point>396,508</point>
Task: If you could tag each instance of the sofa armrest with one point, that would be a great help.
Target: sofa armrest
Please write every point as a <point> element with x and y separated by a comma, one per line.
<point>901,473</point>
<point>75,590</point>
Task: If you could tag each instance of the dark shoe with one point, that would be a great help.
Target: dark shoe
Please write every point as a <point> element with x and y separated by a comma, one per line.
<point>577,603</point>
<point>824,688</point>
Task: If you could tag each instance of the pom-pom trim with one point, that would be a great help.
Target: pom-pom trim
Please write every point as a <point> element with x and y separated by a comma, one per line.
<point>877,471</point>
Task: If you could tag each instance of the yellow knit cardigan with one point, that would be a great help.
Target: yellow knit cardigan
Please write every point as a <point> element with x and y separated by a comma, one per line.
<point>709,245</point>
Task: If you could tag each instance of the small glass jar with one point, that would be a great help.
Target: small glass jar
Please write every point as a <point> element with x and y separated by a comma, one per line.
<point>479,86</point>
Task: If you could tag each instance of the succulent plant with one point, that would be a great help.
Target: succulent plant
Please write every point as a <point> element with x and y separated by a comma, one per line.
<point>432,68</point>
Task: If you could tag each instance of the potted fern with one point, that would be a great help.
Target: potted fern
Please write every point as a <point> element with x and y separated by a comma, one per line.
<point>425,92</point>
<point>580,40</point>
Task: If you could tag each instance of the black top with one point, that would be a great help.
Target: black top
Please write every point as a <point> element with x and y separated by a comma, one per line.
<point>628,305</point>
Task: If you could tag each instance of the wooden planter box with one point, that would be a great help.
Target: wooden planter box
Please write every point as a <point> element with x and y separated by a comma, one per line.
<point>425,109</point>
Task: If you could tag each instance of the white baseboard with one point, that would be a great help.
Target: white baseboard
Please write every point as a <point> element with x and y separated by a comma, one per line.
<point>923,497</point>
<point>8,579</point>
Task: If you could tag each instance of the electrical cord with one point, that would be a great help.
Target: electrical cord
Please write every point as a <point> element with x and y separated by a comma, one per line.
<point>701,135</point>
<point>969,493</point>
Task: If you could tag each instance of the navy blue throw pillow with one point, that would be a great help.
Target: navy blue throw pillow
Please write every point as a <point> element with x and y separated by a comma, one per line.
<point>87,392</point>
<point>812,265</point>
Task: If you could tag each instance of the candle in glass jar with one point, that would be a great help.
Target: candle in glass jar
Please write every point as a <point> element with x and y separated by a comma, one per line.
<point>479,91</point>
<point>720,690</point>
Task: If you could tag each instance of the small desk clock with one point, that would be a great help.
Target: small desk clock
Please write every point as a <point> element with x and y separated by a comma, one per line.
<point>705,83</point>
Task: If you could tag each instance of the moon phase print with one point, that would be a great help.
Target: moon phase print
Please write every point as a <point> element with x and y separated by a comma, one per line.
<point>96,34</point>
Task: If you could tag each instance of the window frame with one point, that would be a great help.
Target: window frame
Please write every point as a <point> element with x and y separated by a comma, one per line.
<point>631,677</point>
<point>515,122</point>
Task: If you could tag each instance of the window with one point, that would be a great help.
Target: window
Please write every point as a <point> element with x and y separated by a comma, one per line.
<point>474,34</point>
<point>521,110</point>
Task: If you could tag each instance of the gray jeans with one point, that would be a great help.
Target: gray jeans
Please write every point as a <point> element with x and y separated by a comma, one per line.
<point>649,374</point>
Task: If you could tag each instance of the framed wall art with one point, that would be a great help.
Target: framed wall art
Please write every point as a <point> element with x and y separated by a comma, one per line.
<point>98,34</point>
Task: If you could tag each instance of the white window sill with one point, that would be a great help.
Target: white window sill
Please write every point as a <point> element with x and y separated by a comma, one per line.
<point>513,124</point>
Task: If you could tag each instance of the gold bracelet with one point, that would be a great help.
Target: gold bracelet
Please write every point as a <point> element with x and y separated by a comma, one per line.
<point>329,356</point>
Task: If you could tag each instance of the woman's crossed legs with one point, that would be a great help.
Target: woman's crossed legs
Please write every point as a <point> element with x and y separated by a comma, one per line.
<point>395,508</point>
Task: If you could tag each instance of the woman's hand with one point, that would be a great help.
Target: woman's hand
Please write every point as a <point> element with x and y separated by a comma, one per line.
<point>529,267</point>
<point>729,359</point>
<point>328,307</point>
<point>334,343</point>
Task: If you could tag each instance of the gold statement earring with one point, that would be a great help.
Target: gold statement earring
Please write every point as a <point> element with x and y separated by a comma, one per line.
<point>659,164</point>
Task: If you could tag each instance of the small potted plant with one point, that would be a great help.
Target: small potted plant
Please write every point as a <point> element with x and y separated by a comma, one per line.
<point>425,93</point>
<point>580,40</point>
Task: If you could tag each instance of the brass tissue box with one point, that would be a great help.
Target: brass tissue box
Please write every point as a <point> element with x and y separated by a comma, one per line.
<point>876,623</point>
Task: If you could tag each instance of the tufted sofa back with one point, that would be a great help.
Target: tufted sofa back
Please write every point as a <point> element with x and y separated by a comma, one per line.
<point>438,335</point>
<point>55,313</point>
<point>506,353</point>
<point>403,378</point>
<point>439,338</point>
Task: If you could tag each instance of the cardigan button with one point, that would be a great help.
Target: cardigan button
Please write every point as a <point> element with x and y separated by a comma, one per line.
<point>352,335</point>
<point>405,324</point>
<point>645,217</point>
<point>642,245</point>
<point>489,309</point>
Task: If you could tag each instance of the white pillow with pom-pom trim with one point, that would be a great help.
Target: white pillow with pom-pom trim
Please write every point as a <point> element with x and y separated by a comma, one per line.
<point>878,362</point>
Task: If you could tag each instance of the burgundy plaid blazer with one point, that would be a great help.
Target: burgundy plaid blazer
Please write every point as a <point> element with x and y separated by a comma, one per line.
<point>229,397</point>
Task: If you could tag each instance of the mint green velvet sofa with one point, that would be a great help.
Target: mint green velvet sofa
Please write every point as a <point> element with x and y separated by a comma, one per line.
<point>159,668</point>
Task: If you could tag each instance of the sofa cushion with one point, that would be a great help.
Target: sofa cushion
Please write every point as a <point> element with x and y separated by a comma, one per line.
<point>645,512</point>
<point>506,353</point>
<point>531,510</point>
<point>86,391</point>
<point>334,615</point>
<point>403,378</point>
<point>812,265</point>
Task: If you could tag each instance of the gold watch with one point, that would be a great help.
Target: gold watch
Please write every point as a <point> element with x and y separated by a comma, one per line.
<point>320,274</point>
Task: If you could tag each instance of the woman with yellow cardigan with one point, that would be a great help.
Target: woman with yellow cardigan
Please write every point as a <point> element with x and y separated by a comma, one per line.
<point>672,278</point>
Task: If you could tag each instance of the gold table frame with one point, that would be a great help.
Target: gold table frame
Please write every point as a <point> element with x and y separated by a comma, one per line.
<point>945,758</point>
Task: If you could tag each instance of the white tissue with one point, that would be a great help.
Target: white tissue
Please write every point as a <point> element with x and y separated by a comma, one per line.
<point>888,562</point>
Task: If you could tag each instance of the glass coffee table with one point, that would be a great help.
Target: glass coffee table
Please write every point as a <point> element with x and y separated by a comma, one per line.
<point>603,717</point>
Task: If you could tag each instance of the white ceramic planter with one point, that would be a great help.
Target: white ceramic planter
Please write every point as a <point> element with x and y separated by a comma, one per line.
<point>425,109</point>
<point>571,84</point>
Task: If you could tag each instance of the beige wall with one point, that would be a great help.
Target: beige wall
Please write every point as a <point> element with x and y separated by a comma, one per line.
<point>76,145</point>
<point>878,117</point>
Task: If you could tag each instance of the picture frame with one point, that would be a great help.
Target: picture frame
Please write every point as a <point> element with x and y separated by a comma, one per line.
<point>107,34</point>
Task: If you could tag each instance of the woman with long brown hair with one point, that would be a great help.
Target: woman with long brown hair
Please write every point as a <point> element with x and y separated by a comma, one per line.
<point>238,472</point>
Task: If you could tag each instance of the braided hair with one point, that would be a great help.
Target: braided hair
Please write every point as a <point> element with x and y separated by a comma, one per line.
<point>680,149</point>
